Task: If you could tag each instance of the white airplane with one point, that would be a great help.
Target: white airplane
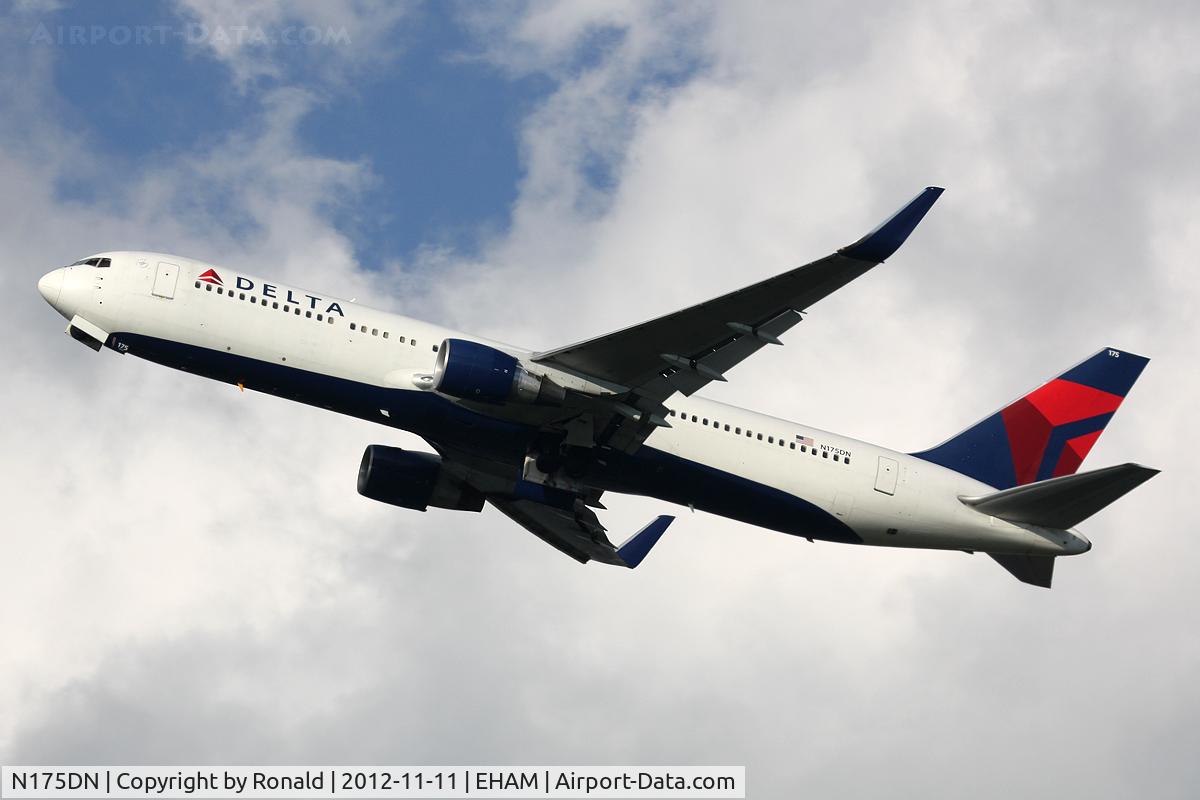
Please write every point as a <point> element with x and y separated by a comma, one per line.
<point>541,435</point>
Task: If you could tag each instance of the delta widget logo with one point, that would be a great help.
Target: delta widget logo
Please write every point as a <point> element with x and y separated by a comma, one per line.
<point>211,276</point>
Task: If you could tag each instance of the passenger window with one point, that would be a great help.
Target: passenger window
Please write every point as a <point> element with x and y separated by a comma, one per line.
<point>308,314</point>
<point>706,420</point>
<point>241,296</point>
<point>824,454</point>
<point>760,437</point>
<point>792,445</point>
<point>413,342</point>
<point>197,284</point>
<point>695,418</point>
<point>329,319</point>
<point>846,460</point>
<point>401,340</point>
<point>435,347</point>
<point>353,326</point>
<point>738,431</point>
<point>670,412</point>
<point>208,287</point>
<point>297,311</point>
<point>835,457</point>
<point>385,334</point>
<point>274,306</point>
<point>219,289</point>
<point>264,302</point>
<point>781,442</point>
<point>287,309</point>
<point>726,427</point>
<point>771,439</point>
<point>320,317</point>
<point>374,331</point>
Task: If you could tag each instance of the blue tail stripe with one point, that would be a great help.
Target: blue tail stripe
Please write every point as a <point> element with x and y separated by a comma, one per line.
<point>1059,438</point>
<point>1111,370</point>
<point>981,451</point>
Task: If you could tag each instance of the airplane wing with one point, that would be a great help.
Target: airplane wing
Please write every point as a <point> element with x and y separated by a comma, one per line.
<point>561,518</point>
<point>647,363</point>
<point>683,351</point>
<point>578,532</point>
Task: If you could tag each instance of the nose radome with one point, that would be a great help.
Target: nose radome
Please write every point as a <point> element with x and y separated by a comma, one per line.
<point>51,285</point>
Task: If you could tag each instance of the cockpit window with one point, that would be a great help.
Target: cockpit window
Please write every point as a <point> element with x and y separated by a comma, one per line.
<point>93,262</point>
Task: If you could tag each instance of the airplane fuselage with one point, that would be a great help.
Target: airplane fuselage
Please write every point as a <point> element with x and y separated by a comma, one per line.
<point>345,357</point>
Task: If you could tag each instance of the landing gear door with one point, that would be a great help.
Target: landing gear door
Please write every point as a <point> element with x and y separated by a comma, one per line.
<point>885,478</point>
<point>165,279</point>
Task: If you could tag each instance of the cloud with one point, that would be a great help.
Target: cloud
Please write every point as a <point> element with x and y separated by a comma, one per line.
<point>266,42</point>
<point>194,572</point>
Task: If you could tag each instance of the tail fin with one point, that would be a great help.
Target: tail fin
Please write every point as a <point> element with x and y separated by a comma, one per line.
<point>1048,432</point>
<point>1035,570</point>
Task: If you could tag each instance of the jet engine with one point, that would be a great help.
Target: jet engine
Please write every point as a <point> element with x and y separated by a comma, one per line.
<point>474,371</point>
<point>413,480</point>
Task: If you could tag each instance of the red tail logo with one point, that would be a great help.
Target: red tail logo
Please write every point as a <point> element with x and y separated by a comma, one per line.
<point>211,276</point>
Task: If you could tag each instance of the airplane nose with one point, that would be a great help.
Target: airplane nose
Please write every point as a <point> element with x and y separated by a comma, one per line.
<point>51,285</point>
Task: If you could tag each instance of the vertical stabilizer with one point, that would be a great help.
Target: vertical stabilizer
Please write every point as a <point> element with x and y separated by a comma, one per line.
<point>1034,570</point>
<point>1048,432</point>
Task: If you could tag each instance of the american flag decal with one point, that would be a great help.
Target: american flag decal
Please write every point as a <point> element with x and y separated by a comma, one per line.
<point>804,440</point>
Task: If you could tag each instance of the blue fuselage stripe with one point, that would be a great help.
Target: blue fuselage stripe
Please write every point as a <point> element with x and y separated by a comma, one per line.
<point>648,472</point>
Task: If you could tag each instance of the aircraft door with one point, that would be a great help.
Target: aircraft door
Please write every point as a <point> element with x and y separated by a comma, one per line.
<point>885,477</point>
<point>165,279</point>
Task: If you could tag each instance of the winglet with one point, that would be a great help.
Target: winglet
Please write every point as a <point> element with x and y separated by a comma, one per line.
<point>637,546</point>
<point>879,244</point>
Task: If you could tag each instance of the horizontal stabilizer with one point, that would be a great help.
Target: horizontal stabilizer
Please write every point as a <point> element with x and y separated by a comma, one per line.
<point>1034,570</point>
<point>1062,502</point>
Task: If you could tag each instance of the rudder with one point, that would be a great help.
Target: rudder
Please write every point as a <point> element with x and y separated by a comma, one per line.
<point>1048,432</point>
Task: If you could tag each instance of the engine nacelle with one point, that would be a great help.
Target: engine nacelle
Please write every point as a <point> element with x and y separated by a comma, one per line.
<point>474,371</point>
<point>412,480</point>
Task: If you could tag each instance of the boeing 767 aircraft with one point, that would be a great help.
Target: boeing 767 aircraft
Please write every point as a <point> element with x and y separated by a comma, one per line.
<point>543,434</point>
